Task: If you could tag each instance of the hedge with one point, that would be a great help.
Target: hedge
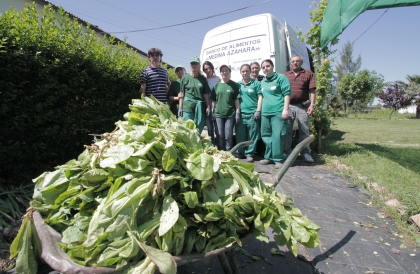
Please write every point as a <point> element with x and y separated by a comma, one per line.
<point>59,82</point>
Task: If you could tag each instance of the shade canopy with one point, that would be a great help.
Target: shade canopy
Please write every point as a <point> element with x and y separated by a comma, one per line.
<point>340,13</point>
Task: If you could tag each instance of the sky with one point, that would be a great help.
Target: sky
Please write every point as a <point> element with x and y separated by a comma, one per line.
<point>388,46</point>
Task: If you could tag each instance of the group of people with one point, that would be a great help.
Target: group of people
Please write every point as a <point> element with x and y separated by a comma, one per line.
<point>258,107</point>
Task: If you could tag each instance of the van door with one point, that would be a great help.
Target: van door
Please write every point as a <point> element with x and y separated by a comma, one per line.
<point>296,47</point>
<point>238,42</point>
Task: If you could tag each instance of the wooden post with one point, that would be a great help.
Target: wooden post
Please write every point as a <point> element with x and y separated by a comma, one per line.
<point>319,140</point>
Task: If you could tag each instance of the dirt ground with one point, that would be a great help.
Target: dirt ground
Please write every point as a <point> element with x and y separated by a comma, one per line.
<point>6,238</point>
<point>5,262</point>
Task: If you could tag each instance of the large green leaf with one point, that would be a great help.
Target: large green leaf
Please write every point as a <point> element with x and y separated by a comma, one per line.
<point>24,247</point>
<point>72,235</point>
<point>164,261</point>
<point>145,266</point>
<point>115,155</point>
<point>136,164</point>
<point>191,198</point>
<point>169,156</point>
<point>201,165</point>
<point>170,213</point>
<point>300,233</point>
<point>303,221</point>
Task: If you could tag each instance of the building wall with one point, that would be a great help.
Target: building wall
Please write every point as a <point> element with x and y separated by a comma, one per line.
<point>410,109</point>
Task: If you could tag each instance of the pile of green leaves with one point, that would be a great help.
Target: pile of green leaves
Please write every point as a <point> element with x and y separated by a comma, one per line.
<point>153,180</point>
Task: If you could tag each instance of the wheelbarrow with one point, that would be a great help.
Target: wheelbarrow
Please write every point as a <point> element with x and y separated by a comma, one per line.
<point>57,259</point>
<point>60,261</point>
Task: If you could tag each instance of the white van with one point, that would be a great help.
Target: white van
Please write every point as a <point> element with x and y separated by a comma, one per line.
<point>250,39</point>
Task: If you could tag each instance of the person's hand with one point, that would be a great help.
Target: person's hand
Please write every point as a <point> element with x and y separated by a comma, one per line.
<point>257,115</point>
<point>238,118</point>
<point>208,112</point>
<point>285,114</point>
<point>180,95</point>
<point>180,112</point>
<point>310,110</point>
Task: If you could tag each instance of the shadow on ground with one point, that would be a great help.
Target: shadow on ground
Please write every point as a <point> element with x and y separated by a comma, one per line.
<point>407,157</point>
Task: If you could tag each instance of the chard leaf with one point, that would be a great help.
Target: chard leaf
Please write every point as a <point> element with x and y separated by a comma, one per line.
<point>226,186</point>
<point>145,266</point>
<point>163,260</point>
<point>117,229</point>
<point>300,233</point>
<point>292,246</point>
<point>191,199</point>
<point>201,165</point>
<point>170,214</point>
<point>136,164</point>
<point>214,216</point>
<point>286,230</point>
<point>72,235</point>
<point>280,239</point>
<point>260,235</point>
<point>258,223</point>
<point>23,246</point>
<point>303,221</point>
<point>95,175</point>
<point>115,155</point>
<point>210,195</point>
<point>50,185</point>
<point>169,156</point>
<point>313,241</point>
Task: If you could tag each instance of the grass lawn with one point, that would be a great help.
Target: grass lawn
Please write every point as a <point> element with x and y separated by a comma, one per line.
<point>382,151</point>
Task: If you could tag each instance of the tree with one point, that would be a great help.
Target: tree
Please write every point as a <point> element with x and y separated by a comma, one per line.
<point>413,87</point>
<point>360,87</point>
<point>348,66</point>
<point>395,97</point>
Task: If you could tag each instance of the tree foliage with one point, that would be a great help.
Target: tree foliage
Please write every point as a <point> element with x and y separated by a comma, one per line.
<point>347,65</point>
<point>59,83</point>
<point>321,121</point>
<point>413,88</point>
<point>395,97</point>
<point>362,86</point>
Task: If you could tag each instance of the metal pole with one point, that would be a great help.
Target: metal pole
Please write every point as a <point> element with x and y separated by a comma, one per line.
<point>242,144</point>
<point>224,262</point>
<point>289,161</point>
<point>231,257</point>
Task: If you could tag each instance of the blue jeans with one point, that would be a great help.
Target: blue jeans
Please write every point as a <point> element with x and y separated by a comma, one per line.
<point>225,132</point>
<point>211,130</point>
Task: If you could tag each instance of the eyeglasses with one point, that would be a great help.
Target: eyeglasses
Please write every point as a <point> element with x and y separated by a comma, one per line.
<point>155,55</point>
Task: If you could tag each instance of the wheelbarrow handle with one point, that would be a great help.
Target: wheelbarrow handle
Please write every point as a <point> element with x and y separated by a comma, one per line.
<point>292,157</point>
<point>242,144</point>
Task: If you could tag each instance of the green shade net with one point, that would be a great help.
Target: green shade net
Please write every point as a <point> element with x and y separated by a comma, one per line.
<point>340,13</point>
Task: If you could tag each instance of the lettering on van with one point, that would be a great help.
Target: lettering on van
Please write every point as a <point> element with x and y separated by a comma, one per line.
<point>242,50</point>
<point>233,49</point>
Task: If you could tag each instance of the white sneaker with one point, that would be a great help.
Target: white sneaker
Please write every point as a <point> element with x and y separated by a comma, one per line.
<point>308,158</point>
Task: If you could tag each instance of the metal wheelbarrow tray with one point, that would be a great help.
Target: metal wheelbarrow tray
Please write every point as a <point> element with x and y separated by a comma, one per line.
<point>57,259</point>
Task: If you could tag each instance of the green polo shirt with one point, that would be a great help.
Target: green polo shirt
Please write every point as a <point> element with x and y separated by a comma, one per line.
<point>225,94</point>
<point>249,95</point>
<point>194,88</point>
<point>274,89</point>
